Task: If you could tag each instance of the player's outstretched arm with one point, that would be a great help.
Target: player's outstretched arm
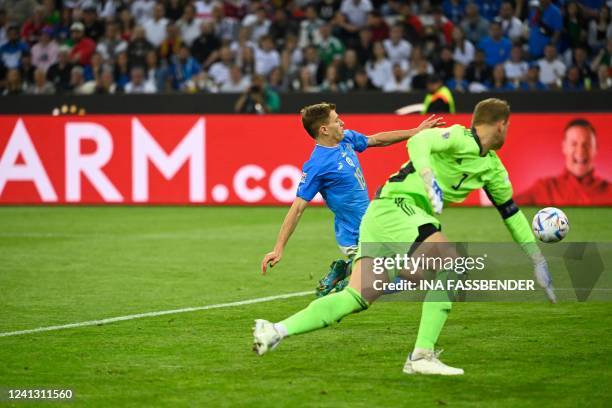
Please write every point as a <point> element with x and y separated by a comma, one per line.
<point>291,221</point>
<point>396,136</point>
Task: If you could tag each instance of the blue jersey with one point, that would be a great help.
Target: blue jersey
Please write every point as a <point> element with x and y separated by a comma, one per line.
<point>335,172</point>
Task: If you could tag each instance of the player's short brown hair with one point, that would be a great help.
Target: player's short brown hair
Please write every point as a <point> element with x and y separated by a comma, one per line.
<point>314,116</point>
<point>490,111</point>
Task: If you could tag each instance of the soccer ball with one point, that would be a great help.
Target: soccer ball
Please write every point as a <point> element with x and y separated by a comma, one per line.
<point>550,224</point>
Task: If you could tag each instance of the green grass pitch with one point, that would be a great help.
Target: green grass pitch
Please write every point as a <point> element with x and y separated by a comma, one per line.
<point>63,265</point>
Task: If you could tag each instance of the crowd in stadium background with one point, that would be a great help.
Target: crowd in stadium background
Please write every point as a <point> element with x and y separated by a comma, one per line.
<point>147,46</point>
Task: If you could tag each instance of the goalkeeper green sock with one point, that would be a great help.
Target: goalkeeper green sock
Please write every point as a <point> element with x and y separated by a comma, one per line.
<point>324,311</point>
<point>436,307</point>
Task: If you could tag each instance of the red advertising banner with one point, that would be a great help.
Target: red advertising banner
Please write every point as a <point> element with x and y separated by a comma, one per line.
<point>251,160</point>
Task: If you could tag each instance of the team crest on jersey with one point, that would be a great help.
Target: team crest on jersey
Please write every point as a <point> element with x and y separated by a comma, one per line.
<point>445,135</point>
<point>350,162</point>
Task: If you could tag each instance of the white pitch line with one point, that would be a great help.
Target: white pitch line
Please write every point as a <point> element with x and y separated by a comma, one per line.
<point>154,314</point>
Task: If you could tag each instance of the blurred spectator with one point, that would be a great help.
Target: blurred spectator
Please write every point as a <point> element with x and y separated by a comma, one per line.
<point>18,10</point>
<point>189,25</point>
<point>604,56</point>
<point>14,85</point>
<point>439,98</point>
<point>45,52</point>
<point>600,29</point>
<point>94,28</point>
<point>266,56</point>
<point>496,47</point>
<point>138,48</point>
<point>258,98</point>
<point>172,43</point>
<point>247,61</point>
<point>500,83</point>
<point>474,25</point>
<point>277,80</point>
<point>516,68</point>
<point>326,9</point>
<point>3,27</point>
<point>127,25</point>
<point>579,60</point>
<point>32,28</point>
<point>155,28</point>
<point>312,62</point>
<point>463,49</point>
<point>364,47</point>
<point>454,10</point>
<point>552,69</point>
<point>258,23</point>
<point>41,86</point>
<point>13,49</point>
<point>413,28</point>
<point>442,26</point>
<point>444,64</point>
<point>574,25</point>
<point>458,83</point>
<point>377,25</point>
<point>204,48</point>
<point>226,28</point>
<point>305,82</point>
<point>488,9</point>
<point>604,81</point>
<point>511,26</point>
<point>220,71</point>
<point>356,11</point>
<point>92,71</point>
<point>478,71</point>
<point>309,27</point>
<point>362,82</point>
<point>396,47</point>
<point>532,79</point>
<point>545,25</point>
<point>330,48</point>
<point>379,68</point>
<point>121,70</point>
<point>349,67</point>
<point>142,10</point>
<point>332,81</point>
<point>112,44</point>
<point>78,85</point>
<point>282,27</point>
<point>399,82</point>
<point>183,68</point>
<point>62,30</point>
<point>175,9</point>
<point>205,8</point>
<point>573,82</point>
<point>83,47</point>
<point>59,73</point>
<point>344,31</point>
<point>138,83</point>
<point>107,9</point>
<point>155,73</point>
<point>26,69</point>
<point>236,82</point>
<point>291,56</point>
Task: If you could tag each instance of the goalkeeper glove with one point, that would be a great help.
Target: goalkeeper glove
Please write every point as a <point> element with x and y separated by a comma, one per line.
<point>434,192</point>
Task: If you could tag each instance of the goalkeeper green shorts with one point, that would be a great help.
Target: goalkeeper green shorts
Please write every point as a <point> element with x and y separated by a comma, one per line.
<point>391,226</point>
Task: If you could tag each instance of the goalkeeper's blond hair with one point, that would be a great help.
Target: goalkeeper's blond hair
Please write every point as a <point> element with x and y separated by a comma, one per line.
<point>490,111</point>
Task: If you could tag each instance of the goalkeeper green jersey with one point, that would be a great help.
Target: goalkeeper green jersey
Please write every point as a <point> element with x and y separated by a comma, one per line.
<point>459,165</point>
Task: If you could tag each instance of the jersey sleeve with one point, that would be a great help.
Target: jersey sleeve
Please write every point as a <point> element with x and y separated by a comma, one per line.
<point>428,141</point>
<point>310,184</point>
<point>357,140</point>
<point>499,190</point>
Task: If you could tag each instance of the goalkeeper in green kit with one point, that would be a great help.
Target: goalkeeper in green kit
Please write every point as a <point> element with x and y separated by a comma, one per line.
<point>446,165</point>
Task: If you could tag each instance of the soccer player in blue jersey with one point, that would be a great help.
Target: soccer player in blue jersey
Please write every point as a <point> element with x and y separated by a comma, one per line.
<point>334,170</point>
